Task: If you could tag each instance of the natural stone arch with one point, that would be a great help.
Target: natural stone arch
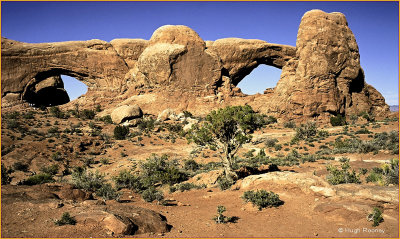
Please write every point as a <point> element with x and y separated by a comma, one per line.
<point>241,56</point>
<point>262,79</point>
<point>96,63</point>
<point>47,87</point>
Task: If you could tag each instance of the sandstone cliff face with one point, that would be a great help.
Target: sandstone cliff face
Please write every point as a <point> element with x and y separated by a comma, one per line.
<point>320,77</point>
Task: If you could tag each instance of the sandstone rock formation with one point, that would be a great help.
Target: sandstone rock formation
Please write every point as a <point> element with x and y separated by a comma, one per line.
<point>47,92</point>
<point>126,112</point>
<point>321,76</point>
<point>325,78</point>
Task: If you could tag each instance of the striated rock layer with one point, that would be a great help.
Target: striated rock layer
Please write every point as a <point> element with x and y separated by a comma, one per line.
<point>176,69</point>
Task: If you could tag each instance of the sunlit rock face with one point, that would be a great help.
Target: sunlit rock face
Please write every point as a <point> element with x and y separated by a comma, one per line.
<point>177,69</point>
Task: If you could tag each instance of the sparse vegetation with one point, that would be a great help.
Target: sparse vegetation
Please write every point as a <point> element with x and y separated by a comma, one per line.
<point>56,112</point>
<point>225,183</point>
<point>107,192</point>
<point>87,114</point>
<point>220,217</point>
<point>343,175</point>
<point>159,170</point>
<point>120,132</point>
<point>185,187</point>
<point>106,119</point>
<point>39,179</point>
<point>375,217</point>
<point>146,124</point>
<point>151,194</point>
<point>338,120</point>
<point>66,219</point>
<point>51,170</point>
<point>126,179</point>
<point>271,142</point>
<point>387,174</point>
<point>262,199</point>
<point>87,180</point>
<point>289,124</point>
<point>305,131</point>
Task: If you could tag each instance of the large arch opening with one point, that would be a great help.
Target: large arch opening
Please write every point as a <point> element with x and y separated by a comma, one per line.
<point>54,87</point>
<point>260,79</point>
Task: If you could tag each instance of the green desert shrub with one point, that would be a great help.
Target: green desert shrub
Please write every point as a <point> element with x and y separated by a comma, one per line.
<point>375,217</point>
<point>262,199</point>
<point>191,165</point>
<point>146,124</point>
<point>343,175</point>
<point>66,219</point>
<point>11,115</point>
<point>225,183</point>
<point>151,194</point>
<point>220,217</point>
<point>158,169</point>
<point>38,179</point>
<point>387,174</point>
<point>87,114</point>
<point>306,131</point>
<point>126,179</point>
<point>289,124</point>
<point>270,142</point>
<point>338,120</point>
<point>57,156</point>
<point>87,180</point>
<point>106,119</point>
<point>120,132</point>
<point>227,129</point>
<point>187,114</point>
<point>367,116</point>
<point>29,115</point>
<point>270,120</point>
<point>107,192</point>
<point>185,187</point>
<point>51,169</point>
<point>56,112</point>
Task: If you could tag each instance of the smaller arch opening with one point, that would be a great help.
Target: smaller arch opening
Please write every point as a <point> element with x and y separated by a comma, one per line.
<point>74,87</point>
<point>260,79</point>
<point>50,88</point>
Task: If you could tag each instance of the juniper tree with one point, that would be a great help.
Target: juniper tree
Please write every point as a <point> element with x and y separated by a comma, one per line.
<point>227,129</point>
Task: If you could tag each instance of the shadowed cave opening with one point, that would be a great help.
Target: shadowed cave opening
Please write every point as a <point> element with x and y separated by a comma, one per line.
<point>261,78</point>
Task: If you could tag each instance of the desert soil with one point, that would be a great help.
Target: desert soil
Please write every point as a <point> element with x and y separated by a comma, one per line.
<point>29,211</point>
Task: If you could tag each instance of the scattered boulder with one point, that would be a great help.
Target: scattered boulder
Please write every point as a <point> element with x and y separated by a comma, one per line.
<point>144,220</point>
<point>167,114</point>
<point>106,220</point>
<point>126,112</point>
<point>124,220</point>
<point>208,178</point>
<point>187,127</point>
<point>68,192</point>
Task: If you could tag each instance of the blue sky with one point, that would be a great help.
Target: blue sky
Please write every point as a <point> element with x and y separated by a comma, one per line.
<point>374,24</point>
